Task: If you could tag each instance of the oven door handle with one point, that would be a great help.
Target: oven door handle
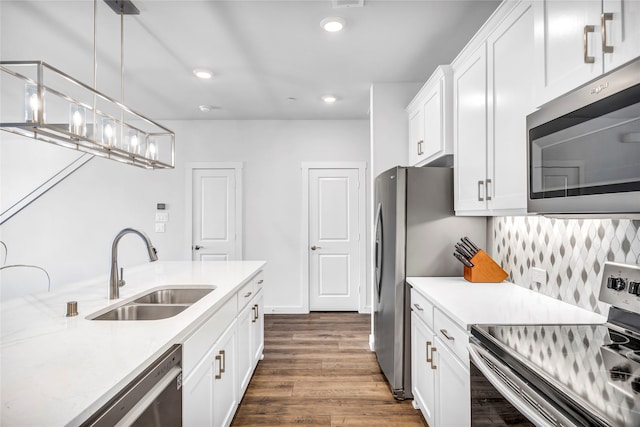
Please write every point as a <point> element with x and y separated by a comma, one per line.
<point>477,354</point>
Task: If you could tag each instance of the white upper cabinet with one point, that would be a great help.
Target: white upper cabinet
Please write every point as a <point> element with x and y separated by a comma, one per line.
<point>492,97</point>
<point>470,132</point>
<point>430,120</point>
<point>578,40</point>
<point>510,64</point>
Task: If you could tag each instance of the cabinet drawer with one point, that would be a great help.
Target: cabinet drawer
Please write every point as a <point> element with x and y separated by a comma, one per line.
<point>259,281</point>
<point>452,335</point>
<point>422,307</point>
<point>197,345</point>
<point>246,294</point>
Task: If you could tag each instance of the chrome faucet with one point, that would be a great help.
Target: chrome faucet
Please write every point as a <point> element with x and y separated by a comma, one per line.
<point>116,281</point>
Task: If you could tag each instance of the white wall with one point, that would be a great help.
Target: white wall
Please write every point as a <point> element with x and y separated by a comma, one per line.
<point>69,230</point>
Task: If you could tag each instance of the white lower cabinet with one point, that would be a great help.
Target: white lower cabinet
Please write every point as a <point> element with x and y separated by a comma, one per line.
<point>210,393</point>
<point>423,377</point>
<point>453,402</point>
<point>250,340</point>
<point>440,371</point>
<point>217,365</point>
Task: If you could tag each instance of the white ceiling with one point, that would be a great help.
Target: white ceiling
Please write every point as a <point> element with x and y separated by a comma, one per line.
<point>262,52</point>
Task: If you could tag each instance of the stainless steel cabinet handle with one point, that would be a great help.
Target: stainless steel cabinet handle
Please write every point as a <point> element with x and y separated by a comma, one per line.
<point>255,313</point>
<point>433,366</point>
<point>603,28</point>
<point>247,295</point>
<point>420,152</point>
<point>198,247</point>
<point>314,247</point>
<point>260,281</point>
<point>427,352</point>
<point>585,44</point>
<point>480,185</point>
<point>219,359</point>
<point>446,335</point>
<point>224,362</point>
<point>417,306</point>
<point>488,190</point>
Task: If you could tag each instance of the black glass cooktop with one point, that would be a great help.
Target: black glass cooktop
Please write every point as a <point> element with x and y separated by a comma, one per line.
<point>592,371</point>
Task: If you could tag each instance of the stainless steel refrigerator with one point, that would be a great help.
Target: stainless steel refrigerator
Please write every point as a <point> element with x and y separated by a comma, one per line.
<point>415,235</point>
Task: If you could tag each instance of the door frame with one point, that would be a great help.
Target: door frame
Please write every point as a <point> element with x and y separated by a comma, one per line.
<point>189,167</point>
<point>362,219</point>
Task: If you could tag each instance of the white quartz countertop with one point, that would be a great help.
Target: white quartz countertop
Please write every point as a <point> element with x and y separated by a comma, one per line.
<point>58,371</point>
<point>498,303</point>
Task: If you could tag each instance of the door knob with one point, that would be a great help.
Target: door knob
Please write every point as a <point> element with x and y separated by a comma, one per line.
<point>314,247</point>
<point>198,247</point>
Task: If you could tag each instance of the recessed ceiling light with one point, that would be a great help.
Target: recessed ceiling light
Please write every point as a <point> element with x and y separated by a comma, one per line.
<point>202,73</point>
<point>206,108</point>
<point>329,99</point>
<point>333,24</point>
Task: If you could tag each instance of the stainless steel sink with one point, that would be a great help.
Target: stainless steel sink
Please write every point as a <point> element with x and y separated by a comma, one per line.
<point>173,296</point>
<point>142,312</point>
<point>156,304</point>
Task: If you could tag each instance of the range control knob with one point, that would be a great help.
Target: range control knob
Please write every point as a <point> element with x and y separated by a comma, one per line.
<point>616,283</point>
<point>635,384</point>
<point>621,373</point>
<point>634,288</point>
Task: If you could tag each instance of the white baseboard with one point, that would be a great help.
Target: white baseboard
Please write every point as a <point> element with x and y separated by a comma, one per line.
<point>285,310</point>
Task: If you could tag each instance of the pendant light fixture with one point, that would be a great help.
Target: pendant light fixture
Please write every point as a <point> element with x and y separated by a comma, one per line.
<point>44,103</point>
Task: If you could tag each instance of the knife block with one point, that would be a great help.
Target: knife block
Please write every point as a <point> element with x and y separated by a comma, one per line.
<point>484,269</point>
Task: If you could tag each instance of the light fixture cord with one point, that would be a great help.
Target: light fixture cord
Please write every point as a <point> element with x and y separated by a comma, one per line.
<point>95,67</point>
<point>122,144</point>
<point>122,54</point>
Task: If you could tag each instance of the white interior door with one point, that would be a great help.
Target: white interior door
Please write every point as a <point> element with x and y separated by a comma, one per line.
<point>215,216</point>
<point>334,234</point>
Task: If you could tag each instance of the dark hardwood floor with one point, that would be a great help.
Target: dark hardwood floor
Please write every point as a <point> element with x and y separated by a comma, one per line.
<point>318,371</point>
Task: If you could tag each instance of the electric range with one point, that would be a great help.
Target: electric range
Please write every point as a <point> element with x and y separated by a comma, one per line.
<point>567,375</point>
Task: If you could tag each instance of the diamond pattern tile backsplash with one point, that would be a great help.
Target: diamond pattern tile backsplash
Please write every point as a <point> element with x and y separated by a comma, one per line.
<point>571,251</point>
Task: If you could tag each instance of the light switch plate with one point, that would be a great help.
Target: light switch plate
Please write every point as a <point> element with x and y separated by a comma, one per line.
<point>160,226</point>
<point>538,275</point>
<point>162,216</point>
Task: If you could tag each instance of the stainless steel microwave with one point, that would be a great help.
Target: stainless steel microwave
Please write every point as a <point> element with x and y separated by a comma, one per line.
<point>583,148</point>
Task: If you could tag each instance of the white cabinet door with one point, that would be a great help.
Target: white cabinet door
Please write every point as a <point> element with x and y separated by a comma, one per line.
<point>224,393</point>
<point>453,401</point>
<point>416,134</point>
<point>568,45</point>
<point>245,353</point>
<point>430,120</point>
<point>622,31</point>
<point>510,63</point>
<point>210,391</point>
<point>422,374</point>
<point>257,329</point>
<point>197,399</point>
<point>470,132</point>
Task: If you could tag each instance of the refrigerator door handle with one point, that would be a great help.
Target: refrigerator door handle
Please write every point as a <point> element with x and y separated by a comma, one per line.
<point>378,250</point>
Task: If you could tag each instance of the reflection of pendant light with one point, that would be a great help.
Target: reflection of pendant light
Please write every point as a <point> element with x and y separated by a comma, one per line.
<point>64,111</point>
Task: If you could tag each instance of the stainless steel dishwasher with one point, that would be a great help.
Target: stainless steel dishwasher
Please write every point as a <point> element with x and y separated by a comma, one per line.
<point>154,398</point>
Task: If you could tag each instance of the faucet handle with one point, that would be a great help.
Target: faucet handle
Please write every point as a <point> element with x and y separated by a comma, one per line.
<point>121,281</point>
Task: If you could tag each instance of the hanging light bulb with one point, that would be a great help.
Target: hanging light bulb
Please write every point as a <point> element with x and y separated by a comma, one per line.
<point>77,120</point>
<point>152,150</point>
<point>108,132</point>
<point>31,103</point>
